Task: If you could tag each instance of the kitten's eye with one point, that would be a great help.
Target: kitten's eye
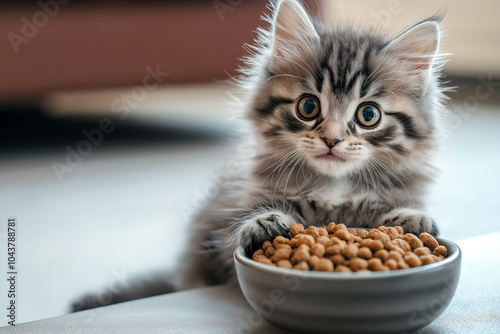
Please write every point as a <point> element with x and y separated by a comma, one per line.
<point>368,115</point>
<point>308,108</point>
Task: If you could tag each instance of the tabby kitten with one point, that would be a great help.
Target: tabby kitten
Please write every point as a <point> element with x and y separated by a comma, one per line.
<point>346,122</point>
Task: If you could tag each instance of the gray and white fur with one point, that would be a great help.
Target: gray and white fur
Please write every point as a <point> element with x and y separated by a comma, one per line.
<point>330,167</point>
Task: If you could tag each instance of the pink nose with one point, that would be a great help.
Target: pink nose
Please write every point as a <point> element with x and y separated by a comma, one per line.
<point>331,142</point>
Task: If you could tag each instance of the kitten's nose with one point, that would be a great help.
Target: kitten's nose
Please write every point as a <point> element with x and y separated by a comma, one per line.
<point>331,142</point>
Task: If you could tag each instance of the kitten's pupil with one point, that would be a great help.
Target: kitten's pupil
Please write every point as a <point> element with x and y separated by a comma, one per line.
<point>309,107</point>
<point>368,114</point>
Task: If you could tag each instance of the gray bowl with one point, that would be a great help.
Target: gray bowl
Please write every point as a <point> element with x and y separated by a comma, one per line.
<point>330,302</point>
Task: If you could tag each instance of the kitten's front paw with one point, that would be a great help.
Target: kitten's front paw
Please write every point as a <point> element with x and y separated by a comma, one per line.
<point>261,226</point>
<point>412,221</point>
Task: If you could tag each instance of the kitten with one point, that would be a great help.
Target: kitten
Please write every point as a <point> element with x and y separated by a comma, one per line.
<point>346,122</point>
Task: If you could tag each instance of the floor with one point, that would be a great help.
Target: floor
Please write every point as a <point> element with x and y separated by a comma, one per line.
<point>123,210</point>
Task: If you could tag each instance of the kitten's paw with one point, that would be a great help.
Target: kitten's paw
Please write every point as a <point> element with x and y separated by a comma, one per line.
<point>262,226</point>
<point>412,221</point>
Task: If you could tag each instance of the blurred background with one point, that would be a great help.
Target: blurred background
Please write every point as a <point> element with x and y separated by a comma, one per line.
<point>113,125</point>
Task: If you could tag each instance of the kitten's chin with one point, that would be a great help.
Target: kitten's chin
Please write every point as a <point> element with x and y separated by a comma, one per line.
<point>330,157</point>
<point>332,165</point>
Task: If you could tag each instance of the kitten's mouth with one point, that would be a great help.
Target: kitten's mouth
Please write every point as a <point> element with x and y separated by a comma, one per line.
<point>331,157</point>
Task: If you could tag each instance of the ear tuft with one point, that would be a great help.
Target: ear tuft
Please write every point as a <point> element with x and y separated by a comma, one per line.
<point>292,27</point>
<point>418,45</point>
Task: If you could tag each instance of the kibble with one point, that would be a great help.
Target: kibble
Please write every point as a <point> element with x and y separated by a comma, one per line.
<point>335,248</point>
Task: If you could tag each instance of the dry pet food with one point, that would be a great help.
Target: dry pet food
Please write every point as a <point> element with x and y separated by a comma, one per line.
<point>335,248</point>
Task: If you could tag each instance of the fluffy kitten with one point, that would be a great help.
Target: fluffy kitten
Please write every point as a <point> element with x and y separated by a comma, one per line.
<point>346,122</point>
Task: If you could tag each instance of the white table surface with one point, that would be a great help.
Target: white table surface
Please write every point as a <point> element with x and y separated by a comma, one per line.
<point>474,309</point>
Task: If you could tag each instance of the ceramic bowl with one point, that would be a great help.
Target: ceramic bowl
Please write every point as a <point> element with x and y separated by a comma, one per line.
<point>330,302</point>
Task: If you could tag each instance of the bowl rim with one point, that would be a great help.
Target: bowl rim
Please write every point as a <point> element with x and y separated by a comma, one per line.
<point>239,255</point>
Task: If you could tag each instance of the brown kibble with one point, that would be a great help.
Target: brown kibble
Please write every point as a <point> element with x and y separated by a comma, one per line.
<point>373,233</point>
<point>402,264</point>
<point>284,264</point>
<point>428,241</point>
<point>263,259</point>
<point>402,244</point>
<point>257,253</point>
<point>296,229</point>
<point>324,240</point>
<point>337,259</point>
<point>280,240</point>
<point>337,241</point>
<point>305,239</point>
<point>392,233</point>
<point>350,251</point>
<point>270,251</point>
<point>337,249</point>
<point>322,232</point>
<point>421,251</point>
<point>278,246</point>
<point>312,231</point>
<point>365,253</point>
<point>356,239</point>
<point>358,263</point>
<point>302,266</point>
<point>333,250</point>
<point>330,228</point>
<point>281,254</point>
<point>428,259</point>
<point>266,244</point>
<point>301,254</point>
<point>412,260</point>
<point>415,242</point>
<point>374,262</point>
<point>440,251</point>
<point>343,269</point>
<point>375,245</point>
<point>383,238</point>
<point>394,255</point>
<point>363,234</point>
<point>313,260</point>
<point>302,248</point>
<point>391,264</point>
<point>324,265</point>
<point>343,235</point>
<point>392,246</point>
<point>339,227</point>
<point>381,254</point>
<point>363,271</point>
<point>318,250</point>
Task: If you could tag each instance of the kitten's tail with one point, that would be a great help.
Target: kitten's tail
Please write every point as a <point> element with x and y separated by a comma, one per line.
<point>140,287</point>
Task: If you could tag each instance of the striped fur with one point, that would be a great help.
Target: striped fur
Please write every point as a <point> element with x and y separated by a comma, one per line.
<point>371,177</point>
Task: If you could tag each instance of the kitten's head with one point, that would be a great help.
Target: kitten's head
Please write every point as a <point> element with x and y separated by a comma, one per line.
<point>342,100</point>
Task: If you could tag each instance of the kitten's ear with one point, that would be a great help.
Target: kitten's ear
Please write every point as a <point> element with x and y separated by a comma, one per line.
<point>292,27</point>
<point>418,46</point>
